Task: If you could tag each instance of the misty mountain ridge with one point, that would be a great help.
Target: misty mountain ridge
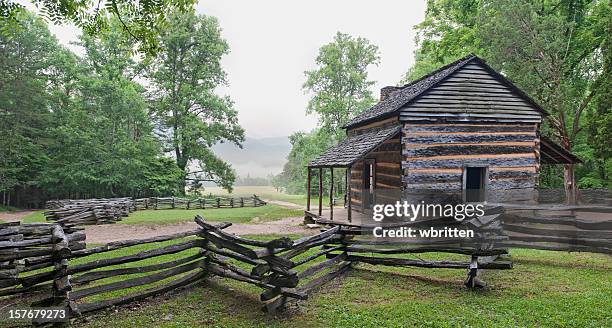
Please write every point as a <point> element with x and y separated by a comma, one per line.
<point>259,157</point>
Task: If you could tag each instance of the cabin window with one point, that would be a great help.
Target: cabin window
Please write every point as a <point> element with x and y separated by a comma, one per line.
<point>369,168</point>
<point>474,183</point>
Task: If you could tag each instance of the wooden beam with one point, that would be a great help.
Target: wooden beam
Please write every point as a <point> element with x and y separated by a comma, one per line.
<point>308,190</point>
<point>320,191</point>
<point>331,194</point>
<point>348,193</point>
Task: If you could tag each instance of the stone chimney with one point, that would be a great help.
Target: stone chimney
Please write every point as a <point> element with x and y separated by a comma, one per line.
<point>387,91</point>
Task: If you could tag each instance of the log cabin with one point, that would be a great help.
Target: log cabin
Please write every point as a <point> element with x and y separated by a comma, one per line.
<point>462,130</point>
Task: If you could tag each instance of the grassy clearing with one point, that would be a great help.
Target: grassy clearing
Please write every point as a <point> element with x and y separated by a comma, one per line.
<point>37,216</point>
<point>265,192</point>
<point>265,213</point>
<point>235,215</point>
<point>544,289</point>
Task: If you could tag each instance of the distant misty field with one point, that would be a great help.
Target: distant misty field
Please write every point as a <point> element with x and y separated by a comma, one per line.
<point>265,192</point>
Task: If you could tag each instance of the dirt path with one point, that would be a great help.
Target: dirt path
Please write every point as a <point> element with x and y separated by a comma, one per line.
<point>115,232</point>
<point>14,216</point>
<point>284,204</point>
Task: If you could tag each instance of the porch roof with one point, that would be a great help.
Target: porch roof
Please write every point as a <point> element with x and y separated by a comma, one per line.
<point>354,148</point>
<point>553,153</point>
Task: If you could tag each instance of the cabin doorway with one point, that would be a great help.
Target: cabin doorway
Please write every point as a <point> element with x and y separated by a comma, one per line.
<point>369,174</point>
<point>474,183</point>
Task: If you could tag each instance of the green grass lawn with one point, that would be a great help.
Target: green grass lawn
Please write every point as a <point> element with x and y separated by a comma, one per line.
<point>265,213</point>
<point>544,289</point>
<point>235,215</point>
<point>37,216</point>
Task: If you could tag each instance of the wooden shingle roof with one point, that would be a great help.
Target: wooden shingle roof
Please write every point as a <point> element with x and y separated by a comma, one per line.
<point>407,92</point>
<point>354,148</point>
<point>552,153</point>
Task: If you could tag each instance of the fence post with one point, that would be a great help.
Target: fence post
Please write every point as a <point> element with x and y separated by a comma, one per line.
<point>241,202</point>
<point>61,281</point>
<point>173,206</point>
<point>218,202</point>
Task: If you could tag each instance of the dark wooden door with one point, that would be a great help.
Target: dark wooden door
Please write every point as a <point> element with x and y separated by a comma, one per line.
<point>474,184</point>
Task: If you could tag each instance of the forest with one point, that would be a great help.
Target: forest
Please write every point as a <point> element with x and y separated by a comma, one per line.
<point>113,121</point>
<point>558,52</point>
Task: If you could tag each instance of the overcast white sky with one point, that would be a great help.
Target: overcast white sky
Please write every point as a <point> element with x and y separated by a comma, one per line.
<point>274,41</point>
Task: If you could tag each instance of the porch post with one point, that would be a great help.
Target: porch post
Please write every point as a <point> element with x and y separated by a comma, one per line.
<point>348,192</point>
<point>331,195</point>
<point>320,191</point>
<point>308,190</point>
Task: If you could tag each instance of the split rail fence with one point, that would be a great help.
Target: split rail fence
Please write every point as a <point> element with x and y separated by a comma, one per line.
<point>571,228</point>
<point>199,203</point>
<point>84,279</point>
<point>73,213</point>
<point>50,260</point>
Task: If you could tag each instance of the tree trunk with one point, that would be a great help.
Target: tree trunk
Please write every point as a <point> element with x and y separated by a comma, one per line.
<point>571,191</point>
<point>569,179</point>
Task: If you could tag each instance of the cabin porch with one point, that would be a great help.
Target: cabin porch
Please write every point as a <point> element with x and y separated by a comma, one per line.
<point>338,215</point>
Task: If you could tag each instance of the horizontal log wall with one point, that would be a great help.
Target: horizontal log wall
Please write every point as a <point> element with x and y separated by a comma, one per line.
<point>387,172</point>
<point>434,157</point>
<point>388,159</point>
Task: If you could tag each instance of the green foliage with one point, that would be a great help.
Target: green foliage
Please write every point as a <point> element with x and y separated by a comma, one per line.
<point>339,85</point>
<point>140,21</point>
<point>82,126</point>
<point>184,77</point>
<point>305,147</point>
<point>26,60</point>
<point>556,51</point>
<point>340,91</point>
<point>109,156</point>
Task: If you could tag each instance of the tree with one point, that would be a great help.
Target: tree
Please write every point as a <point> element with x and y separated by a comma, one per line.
<point>340,91</point>
<point>304,148</point>
<point>102,138</point>
<point>26,60</point>
<point>554,53</point>
<point>183,80</point>
<point>553,50</point>
<point>339,85</point>
<point>140,20</point>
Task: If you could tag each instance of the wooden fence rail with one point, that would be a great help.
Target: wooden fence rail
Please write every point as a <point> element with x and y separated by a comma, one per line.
<point>181,259</point>
<point>199,203</point>
<point>80,278</point>
<point>73,213</point>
